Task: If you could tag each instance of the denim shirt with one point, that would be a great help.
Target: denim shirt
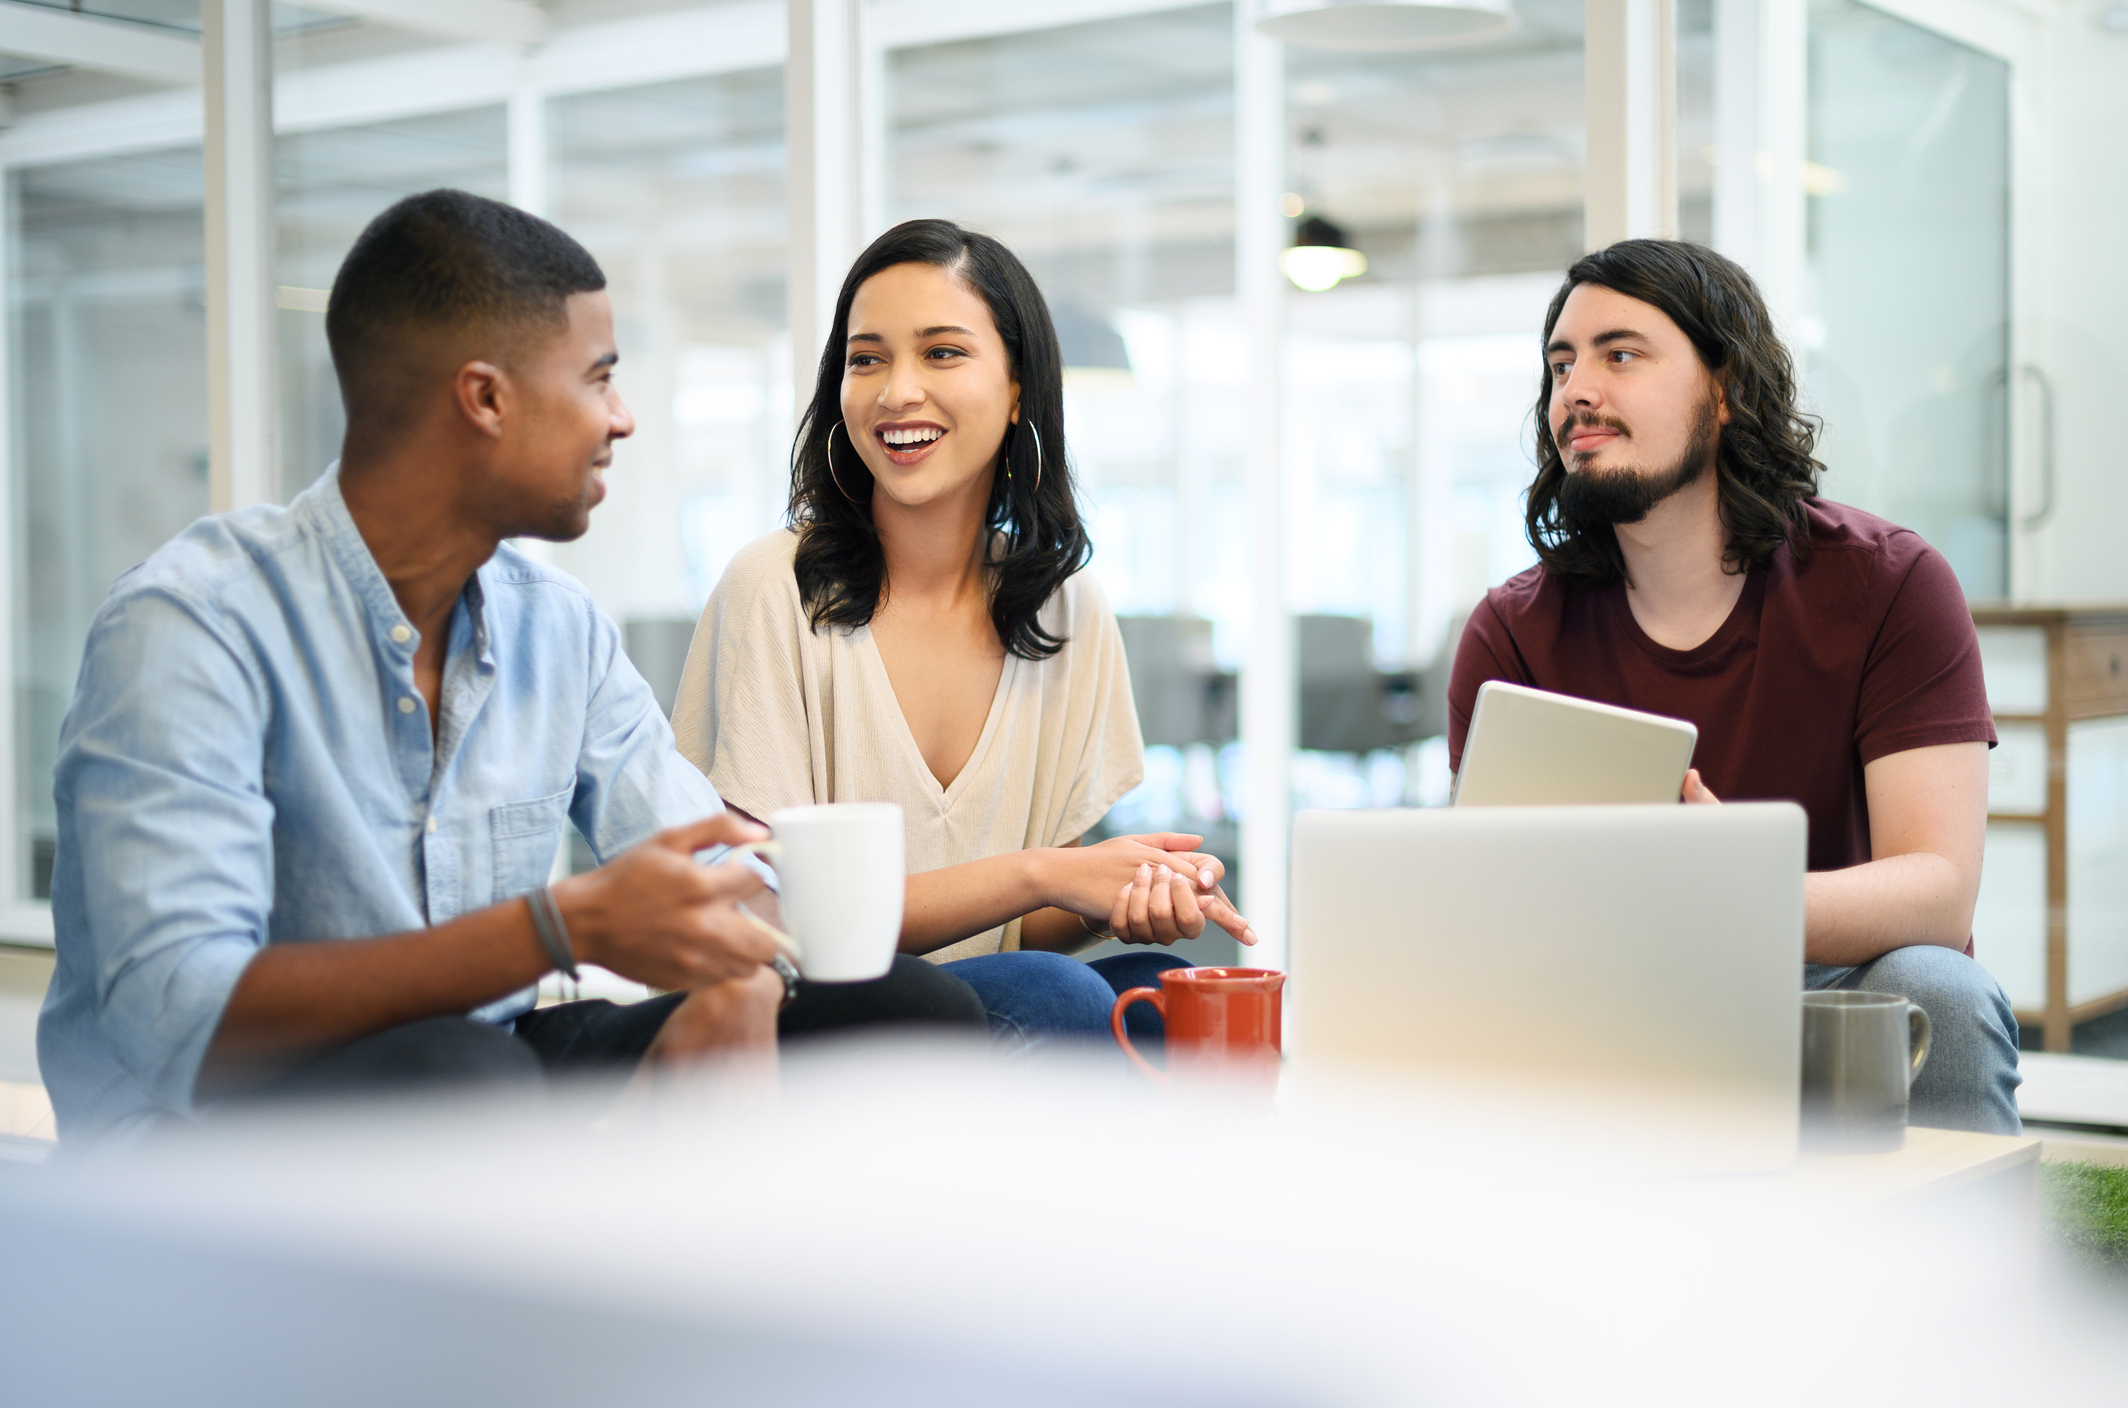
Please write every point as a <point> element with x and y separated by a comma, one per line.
<point>247,761</point>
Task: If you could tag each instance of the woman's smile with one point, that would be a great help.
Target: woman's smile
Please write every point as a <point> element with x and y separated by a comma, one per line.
<point>928,391</point>
<point>908,442</point>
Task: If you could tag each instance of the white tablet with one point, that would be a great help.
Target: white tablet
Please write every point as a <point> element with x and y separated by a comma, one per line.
<point>1532,748</point>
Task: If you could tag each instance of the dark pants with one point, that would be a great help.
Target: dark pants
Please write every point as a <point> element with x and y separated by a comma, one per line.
<point>600,1037</point>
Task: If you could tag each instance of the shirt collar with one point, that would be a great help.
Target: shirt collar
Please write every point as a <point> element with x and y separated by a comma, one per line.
<point>324,509</point>
<point>475,601</point>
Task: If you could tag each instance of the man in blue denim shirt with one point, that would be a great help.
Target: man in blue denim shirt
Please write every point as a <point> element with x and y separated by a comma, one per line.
<point>318,757</point>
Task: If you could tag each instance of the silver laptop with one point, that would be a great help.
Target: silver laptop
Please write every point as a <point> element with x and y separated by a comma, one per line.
<point>1533,748</point>
<point>1628,966</point>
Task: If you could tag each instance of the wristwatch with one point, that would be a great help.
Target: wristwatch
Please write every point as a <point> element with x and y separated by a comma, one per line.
<point>789,973</point>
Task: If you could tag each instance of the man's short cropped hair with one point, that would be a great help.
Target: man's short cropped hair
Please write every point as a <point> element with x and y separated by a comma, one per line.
<point>1764,466</point>
<point>442,262</point>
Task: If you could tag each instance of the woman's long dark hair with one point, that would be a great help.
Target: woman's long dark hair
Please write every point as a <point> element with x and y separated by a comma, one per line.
<point>1033,515</point>
<point>1764,467</point>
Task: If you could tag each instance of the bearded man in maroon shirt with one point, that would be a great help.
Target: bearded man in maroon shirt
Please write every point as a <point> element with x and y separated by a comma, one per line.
<point>1688,567</point>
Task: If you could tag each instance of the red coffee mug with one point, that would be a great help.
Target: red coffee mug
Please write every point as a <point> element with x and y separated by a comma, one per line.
<point>1221,1022</point>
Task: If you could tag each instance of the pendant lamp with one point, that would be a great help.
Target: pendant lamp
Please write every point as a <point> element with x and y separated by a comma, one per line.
<point>1320,256</point>
<point>1385,24</point>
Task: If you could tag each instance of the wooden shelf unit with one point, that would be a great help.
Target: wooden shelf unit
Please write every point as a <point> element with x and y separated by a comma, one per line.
<point>2083,679</point>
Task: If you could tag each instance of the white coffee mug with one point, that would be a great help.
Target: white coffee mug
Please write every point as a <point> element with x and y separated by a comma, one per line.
<point>840,872</point>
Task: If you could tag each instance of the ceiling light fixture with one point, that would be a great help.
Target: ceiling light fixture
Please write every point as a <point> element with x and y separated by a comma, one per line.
<point>1320,256</point>
<point>1094,353</point>
<point>1385,24</point>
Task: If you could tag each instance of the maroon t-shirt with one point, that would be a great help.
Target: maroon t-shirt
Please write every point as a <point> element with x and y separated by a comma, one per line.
<point>1863,650</point>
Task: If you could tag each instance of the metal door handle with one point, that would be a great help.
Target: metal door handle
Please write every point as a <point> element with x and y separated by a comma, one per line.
<point>2031,371</point>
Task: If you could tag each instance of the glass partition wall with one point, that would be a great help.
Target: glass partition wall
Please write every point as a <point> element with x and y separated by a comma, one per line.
<point>677,188</point>
<point>1459,177</point>
<point>108,443</point>
<point>1906,335</point>
<point>331,184</point>
<point>1101,143</point>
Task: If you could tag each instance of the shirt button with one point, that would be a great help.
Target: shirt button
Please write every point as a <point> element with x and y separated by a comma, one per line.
<point>406,705</point>
<point>402,634</point>
<point>432,826</point>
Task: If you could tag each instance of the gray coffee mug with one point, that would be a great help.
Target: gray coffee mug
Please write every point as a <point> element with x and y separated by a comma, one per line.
<point>1861,1052</point>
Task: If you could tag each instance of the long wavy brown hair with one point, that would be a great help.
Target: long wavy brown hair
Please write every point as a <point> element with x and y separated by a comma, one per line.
<point>1764,465</point>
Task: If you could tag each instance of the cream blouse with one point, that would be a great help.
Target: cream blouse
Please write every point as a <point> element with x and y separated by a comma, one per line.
<point>778,715</point>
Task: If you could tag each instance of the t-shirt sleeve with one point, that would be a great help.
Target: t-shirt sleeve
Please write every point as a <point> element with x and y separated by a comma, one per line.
<point>1112,760</point>
<point>740,713</point>
<point>1486,652</point>
<point>1922,683</point>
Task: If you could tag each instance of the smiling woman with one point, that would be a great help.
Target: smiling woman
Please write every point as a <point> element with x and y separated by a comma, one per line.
<point>917,285</point>
<point>925,634</point>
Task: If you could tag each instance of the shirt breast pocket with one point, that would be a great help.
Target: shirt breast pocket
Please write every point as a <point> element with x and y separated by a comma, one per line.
<point>525,836</point>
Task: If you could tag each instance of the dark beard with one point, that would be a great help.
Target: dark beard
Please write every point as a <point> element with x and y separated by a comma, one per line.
<point>1591,499</point>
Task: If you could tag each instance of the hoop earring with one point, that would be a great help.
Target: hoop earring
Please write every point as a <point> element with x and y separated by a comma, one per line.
<point>1037,434</point>
<point>828,448</point>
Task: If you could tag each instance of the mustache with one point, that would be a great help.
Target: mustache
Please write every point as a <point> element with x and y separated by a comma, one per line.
<point>1585,420</point>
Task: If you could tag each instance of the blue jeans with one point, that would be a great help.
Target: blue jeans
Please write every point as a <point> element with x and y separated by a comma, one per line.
<point>1034,999</point>
<point>1970,1080</point>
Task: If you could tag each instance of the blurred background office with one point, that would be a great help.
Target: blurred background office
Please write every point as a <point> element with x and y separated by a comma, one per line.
<point>1298,289</point>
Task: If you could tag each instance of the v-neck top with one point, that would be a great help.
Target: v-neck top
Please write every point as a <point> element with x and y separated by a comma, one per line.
<point>778,714</point>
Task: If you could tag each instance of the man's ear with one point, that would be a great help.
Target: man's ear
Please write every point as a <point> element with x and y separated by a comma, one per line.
<point>482,393</point>
<point>1721,397</point>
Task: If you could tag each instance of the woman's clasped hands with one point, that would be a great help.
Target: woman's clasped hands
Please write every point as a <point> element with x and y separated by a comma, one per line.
<point>1151,889</point>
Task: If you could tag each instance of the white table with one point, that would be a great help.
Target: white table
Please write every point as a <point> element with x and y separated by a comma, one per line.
<point>923,1227</point>
<point>1932,1163</point>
